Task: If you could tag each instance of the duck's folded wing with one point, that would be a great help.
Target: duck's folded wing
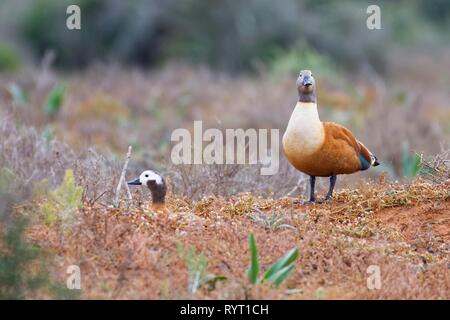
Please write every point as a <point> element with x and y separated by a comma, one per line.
<point>338,132</point>
<point>345,137</point>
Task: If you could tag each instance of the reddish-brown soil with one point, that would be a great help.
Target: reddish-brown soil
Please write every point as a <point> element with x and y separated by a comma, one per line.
<point>132,253</point>
<point>432,219</point>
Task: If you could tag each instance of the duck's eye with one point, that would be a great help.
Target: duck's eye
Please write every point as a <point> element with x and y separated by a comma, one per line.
<point>146,175</point>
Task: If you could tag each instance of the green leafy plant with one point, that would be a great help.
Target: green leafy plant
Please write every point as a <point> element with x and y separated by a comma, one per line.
<point>16,256</point>
<point>9,58</point>
<point>18,95</point>
<point>409,166</point>
<point>410,162</point>
<point>23,268</point>
<point>197,265</point>
<point>63,202</point>
<point>6,177</point>
<point>54,100</point>
<point>277,272</point>
<point>272,221</point>
<point>253,269</point>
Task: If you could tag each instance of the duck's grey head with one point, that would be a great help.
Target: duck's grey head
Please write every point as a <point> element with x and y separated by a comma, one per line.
<point>306,86</point>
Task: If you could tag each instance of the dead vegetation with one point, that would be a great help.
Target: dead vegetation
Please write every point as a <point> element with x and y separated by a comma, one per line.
<point>436,169</point>
<point>133,253</point>
<point>111,108</point>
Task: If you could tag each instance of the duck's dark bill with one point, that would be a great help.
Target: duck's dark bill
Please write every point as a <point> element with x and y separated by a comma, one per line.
<point>134,182</point>
<point>307,81</point>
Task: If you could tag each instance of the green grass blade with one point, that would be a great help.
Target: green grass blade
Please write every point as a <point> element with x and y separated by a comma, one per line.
<point>283,262</point>
<point>416,166</point>
<point>54,100</point>
<point>6,178</point>
<point>18,95</point>
<point>278,277</point>
<point>253,269</point>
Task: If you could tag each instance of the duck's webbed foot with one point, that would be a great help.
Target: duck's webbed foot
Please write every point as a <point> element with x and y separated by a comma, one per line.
<point>312,198</point>
<point>329,195</point>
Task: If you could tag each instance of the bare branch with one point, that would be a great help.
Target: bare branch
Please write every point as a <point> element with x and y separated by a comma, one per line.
<point>122,179</point>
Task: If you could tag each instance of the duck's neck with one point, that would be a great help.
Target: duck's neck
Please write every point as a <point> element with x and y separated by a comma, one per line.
<point>158,200</point>
<point>307,97</point>
<point>158,192</point>
<point>158,197</point>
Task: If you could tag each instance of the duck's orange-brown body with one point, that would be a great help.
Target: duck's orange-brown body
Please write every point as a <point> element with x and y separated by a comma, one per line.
<point>338,154</point>
<point>321,149</point>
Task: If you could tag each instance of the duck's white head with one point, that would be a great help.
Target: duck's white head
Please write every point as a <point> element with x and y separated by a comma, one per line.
<point>155,182</point>
<point>146,177</point>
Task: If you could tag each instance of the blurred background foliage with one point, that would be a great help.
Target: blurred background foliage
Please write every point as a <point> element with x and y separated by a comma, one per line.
<point>229,35</point>
<point>139,69</point>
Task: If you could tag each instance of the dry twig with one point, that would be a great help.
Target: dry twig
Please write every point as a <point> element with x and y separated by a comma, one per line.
<point>122,179</point>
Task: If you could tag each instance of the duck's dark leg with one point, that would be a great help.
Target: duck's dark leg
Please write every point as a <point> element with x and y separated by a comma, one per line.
<point>330,191</point>
<point>312,184</point>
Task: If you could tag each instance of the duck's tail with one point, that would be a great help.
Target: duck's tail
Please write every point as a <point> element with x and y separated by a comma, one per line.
<point>367,158</point>
<point>375,161</point>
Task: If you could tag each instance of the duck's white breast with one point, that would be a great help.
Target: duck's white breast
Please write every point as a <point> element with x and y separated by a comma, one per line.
<point>305,133</point>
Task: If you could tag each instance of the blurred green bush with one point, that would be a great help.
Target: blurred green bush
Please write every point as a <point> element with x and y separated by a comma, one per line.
<point>9,58</point>
<point>24,266</point>
<point>288,61</point>
<point>227,34</point>
<point>127,31</point>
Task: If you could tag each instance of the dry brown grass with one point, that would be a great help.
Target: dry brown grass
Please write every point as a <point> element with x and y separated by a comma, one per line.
<point>111,108</point>
<point>437,168</point>
<point>131,253</point>
<point>31,157</point>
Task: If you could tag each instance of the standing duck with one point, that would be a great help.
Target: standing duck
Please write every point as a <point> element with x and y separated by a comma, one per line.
<point>321,149</point>
<point>155,182</point>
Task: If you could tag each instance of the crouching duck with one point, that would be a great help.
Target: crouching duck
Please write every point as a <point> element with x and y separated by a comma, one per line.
<point>321,149</point>
<point>157,185</point>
